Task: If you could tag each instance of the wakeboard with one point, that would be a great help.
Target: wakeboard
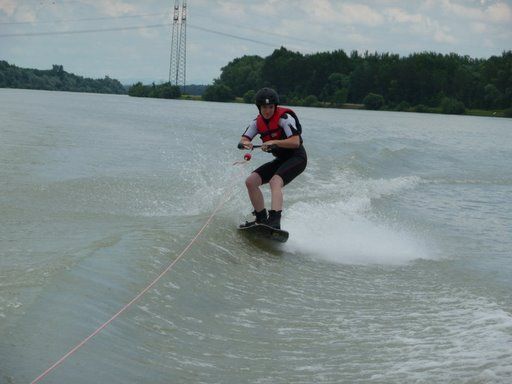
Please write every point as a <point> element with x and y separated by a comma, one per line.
<point>265,232</point>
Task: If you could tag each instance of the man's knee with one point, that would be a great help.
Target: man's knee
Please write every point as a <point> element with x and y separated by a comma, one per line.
<point>253,181</point>
<point>276,182</point>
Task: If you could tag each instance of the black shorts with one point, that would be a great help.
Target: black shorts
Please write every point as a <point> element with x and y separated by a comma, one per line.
<point>287,168</point>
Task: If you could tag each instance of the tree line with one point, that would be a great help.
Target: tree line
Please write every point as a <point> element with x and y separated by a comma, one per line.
<point>55,79</point>
<point>160,91</point>
<point>166,90</point>
<point>423,82</point>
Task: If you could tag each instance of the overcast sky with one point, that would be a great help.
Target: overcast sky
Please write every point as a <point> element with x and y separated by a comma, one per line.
<point>130,39</point>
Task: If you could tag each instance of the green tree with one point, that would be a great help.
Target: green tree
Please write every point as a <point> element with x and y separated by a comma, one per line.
<point>249,96</point>
<point>55,79</point>
<point>161,91</point>
<point>335,82</point>
<point>285,71</point>
<point>493,97</point>
<point>340,96</point>
<point>242,74</point>
<point>167,91</point>
<point>421,108</point>
<point>311,101</point>
<point>452,106</point>
<point>373,101</point>
<point>137,90</point>
<point>362,81</point>
<point>508,112</point>
<point>218,92</point>
<point>402,106</point>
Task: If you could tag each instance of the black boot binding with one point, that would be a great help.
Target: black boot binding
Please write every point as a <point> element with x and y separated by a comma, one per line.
<point>274,219</point>
<point>261,218</point>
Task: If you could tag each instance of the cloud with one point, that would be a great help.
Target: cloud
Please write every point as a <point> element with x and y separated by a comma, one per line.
<point>479,27</point>
<point>499,12</point>
<point>359,39</point>
<point>432,29</point>
<point>232,10</point>
<point>322,10</point>
<point>112,7</point>
<point>441,36</point>
<point>459,10</point>
<point>326,11</point>
<point>8,7</point>
<point>20,13</point>
<point>400,16</point>
<point>361,14</point>
<point>267,8</point>
<point>420,24</point>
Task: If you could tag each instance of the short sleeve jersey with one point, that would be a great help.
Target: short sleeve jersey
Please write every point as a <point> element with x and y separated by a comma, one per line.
<point>286,122</point>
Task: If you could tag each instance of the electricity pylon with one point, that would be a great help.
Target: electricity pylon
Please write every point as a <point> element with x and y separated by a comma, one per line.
<point>178,61</point>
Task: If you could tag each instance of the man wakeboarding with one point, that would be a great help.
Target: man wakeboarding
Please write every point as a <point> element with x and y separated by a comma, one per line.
<point>280,132</point>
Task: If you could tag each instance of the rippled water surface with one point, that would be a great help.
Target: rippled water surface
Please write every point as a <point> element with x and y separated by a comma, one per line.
<point>398,268</point>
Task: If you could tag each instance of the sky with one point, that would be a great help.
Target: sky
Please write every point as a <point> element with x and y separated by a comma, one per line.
<point>130,40</point>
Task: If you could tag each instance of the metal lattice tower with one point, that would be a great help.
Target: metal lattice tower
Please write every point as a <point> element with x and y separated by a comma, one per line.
<point>178,61</point>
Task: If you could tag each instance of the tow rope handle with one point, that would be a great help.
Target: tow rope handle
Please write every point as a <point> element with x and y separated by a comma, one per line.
<point>241,146</point>
<point>248,156</point>
<point>270,147</point>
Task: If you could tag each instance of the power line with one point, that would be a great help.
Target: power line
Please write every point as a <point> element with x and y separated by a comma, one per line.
<point>263,31</point>
<point>98,30</point>
<point>82,19</point>
<point>231,35</point>
<point>50,33</point>
<point>128,28</point>
<point>113,29</point>
<point>162,15</point>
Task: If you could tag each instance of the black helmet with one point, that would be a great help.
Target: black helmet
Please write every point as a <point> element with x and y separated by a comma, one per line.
<point>266,96</point>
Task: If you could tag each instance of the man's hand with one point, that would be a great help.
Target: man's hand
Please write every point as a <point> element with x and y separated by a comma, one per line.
<point>245,145</point>
<point>268,146</point>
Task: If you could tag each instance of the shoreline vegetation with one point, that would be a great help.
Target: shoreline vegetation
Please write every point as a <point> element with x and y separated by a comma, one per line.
<point>426,82</point>
<point>55,79</point>
<point>422,82</point>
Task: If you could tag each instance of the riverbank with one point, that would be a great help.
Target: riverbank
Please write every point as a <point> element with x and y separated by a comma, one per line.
<point>469,112</point>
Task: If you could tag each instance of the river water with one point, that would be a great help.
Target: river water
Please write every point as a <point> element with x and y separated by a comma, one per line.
<point>398,268</point>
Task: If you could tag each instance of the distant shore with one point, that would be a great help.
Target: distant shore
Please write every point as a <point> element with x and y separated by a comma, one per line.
<point>469,112</point>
